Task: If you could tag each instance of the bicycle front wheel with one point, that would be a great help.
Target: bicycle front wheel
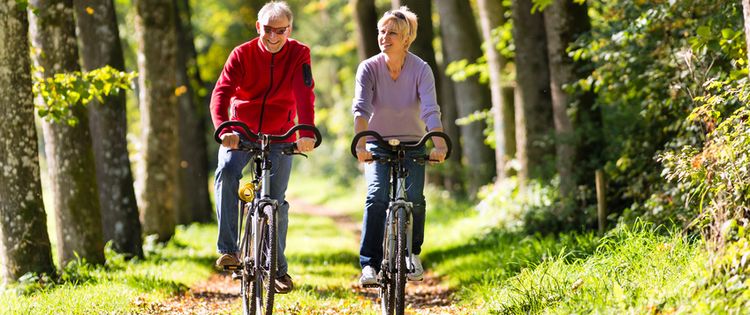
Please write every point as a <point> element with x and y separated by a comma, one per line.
<point>401,256</point>
<point>247,263</point>
<point>265,279</point>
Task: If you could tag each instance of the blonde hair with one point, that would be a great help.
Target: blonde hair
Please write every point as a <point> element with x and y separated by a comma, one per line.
<point>275,10</point>
<point>406,26</point>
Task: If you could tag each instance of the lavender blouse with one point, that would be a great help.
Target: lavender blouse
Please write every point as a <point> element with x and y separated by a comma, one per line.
<point>404,108</point>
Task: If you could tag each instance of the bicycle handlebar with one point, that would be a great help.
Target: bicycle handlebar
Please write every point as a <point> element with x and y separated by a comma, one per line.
<point>380,142</point>
<point>255,136</point>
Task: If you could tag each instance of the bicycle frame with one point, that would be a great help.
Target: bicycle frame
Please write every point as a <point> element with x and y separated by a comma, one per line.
<point>258,240</point>
<point>399,221</point>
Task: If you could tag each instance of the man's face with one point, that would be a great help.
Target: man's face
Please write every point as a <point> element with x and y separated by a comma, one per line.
<point>273,32</point>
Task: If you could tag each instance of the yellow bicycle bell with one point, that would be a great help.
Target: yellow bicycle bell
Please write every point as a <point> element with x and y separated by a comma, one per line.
<point>247,192</point>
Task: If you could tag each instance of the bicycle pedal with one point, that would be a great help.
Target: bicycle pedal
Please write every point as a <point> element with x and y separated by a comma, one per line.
<point>236,275</point>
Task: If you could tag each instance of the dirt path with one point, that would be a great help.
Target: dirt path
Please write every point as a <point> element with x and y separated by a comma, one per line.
<point>220,294</point>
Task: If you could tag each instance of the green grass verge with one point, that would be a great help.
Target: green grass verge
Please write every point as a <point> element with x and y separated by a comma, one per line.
<point>119,287</point>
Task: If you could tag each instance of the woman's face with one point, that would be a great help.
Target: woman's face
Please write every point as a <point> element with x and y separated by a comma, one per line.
<point>274,33</point>
<point>389,40</point>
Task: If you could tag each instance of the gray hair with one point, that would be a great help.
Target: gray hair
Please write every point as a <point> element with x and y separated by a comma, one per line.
<point>274,10</point>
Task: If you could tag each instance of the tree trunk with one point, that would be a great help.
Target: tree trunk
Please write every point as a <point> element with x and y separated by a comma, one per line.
<point>159,116</point>
<point>24,242</point>
<point>565,21</point>
<point>453,177</point>
<point>366,22</point>
<point>69,149</point>
<point>534,125</point>
<point>194,205</point>
<point>464,43</point>
<point>746,13</point>
<point>509,126</point>
<point>422,47</point>
<point>100,46</point>
<point>491,16</point>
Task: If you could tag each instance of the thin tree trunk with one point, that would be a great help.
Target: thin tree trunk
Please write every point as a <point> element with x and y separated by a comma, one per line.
<point>100,46</point>
<point>746,13</point>
<point>464,43</point>
<point>159,116</point>
<point>366,22</point>
<point>69,149</point>
<point>491,16</point>
<point>533,104</point>
<point>565,21</point>
<point>194,204</point>
<point>423,48</point>
<point>24,242</point>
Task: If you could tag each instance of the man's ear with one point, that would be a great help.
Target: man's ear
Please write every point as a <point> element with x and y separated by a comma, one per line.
<point>257,27</point>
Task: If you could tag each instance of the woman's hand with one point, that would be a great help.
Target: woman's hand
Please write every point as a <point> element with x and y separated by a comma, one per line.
<point>438,154</point>
<point>363,155</point>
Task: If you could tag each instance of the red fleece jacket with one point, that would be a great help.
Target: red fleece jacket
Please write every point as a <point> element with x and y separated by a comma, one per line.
<point>279,85</point>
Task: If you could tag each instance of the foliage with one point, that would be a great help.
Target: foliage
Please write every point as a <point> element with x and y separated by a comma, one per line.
<point>62,92</point>
<point>651,59</point>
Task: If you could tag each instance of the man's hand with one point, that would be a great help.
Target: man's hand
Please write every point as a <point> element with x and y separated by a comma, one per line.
<point>230,140</point>
<point>363,155</point>
<point>305,144</point>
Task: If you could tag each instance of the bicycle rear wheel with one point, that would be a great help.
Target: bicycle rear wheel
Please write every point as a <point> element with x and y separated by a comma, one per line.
<point>400,281</point>
<point>265,273</point>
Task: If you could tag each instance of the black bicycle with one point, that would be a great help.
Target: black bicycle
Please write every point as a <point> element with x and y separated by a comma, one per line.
<point>258,241</point>
<point>397,239</point>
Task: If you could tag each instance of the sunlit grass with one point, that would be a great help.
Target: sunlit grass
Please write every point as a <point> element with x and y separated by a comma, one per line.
<point>120,286</point>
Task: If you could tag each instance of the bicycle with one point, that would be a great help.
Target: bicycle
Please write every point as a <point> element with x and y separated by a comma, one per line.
<point>397,239</point>
<point>258,241</point>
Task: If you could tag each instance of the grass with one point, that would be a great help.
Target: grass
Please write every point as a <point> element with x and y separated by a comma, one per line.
<point>493,267</point>
<point>119,286</point>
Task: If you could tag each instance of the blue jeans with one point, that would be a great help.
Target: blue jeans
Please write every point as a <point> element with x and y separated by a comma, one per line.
<point>226,184</point>
<point>377,177</point>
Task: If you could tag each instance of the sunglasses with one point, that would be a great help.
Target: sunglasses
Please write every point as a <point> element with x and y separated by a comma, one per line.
<point>277,30</point>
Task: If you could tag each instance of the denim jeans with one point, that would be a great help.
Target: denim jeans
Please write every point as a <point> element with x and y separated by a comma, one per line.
<point>377,177</point>
<point>226,184</point>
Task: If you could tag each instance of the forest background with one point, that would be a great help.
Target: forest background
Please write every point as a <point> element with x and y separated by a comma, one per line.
<point>539,97</point>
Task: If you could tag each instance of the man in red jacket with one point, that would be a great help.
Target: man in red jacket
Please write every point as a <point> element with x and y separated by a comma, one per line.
<point>266,83</point>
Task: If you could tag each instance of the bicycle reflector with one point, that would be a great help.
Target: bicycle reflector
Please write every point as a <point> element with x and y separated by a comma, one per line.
<point>247,192</point>
<point>394,142</point>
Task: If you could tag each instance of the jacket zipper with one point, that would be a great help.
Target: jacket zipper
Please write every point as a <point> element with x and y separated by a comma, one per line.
<point>263,105</point>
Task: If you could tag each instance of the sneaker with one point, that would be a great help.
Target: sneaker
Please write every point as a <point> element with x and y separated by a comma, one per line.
<point>227,261</point>
<point>369,276</point>
<point>284,284</point>
<point>418,273</point>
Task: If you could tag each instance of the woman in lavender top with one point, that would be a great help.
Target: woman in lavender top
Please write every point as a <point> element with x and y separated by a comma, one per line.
<point>395,96</point>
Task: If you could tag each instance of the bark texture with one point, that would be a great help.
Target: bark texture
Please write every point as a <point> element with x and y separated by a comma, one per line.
<point>69,150</point>
<point>194,205</point>
<point>366,22</point>
<point>100,46</point>
<point>491,16</point>
<point>461,41</point>
<point>24,242</point>
<point>157,44</point>
<point>533,103</point>
<point>565,21</point>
